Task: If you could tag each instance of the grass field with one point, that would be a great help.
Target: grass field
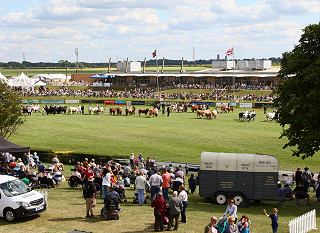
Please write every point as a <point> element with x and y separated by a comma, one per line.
<point>178,138</point>
<point>66,212</point>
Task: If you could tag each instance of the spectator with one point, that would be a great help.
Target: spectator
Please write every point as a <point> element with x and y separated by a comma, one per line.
<point>159,205</point>
<point>140,183</point>
<point>175,208</point>
<point>231,226</point>
<point>166,178</point>
<point>41,166</point>
<point>297,176</point>
<point>245,228</point>
<point>192,183</point>
<point>184,198</point>
<point>231,210</point>
<point>131,160</point>
<point>274,219</point>
<point>287,191</point>
<point>3,169</point>
<point>301,192</point>
<point>90,195</point>
<point>306,178</point>
<point>106,183</point>
<point>127,170</point>
<point>212,226</point>
<point>155,182</point>
<point>243,220</point>
<point>279,190</point>
<point>57,177</point>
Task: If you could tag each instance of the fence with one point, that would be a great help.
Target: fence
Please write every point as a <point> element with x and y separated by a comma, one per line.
<point>303,223</point>
<point>46,194</point>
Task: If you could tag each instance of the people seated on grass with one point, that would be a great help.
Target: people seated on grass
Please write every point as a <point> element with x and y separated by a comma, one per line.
<point>301,192</point>
<point>76,173</point>
<point>36,158</point>
<point>57,175</point>
<point>19,162</point>
<point>279,191</point>
<point>12,163</point>
<point>3,169</point>
<point>287,191</point>
<point>56,163</point>
<point>41,167</point>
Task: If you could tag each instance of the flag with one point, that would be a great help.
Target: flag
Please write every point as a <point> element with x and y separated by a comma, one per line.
<point>229,52</point>
<point>154,54</point>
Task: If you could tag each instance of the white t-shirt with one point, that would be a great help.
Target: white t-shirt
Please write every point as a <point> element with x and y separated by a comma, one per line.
<point>183,195</point>
<point>106,179</point>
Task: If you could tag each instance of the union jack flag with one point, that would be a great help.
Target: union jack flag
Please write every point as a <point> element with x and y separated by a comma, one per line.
<point>229,52</point>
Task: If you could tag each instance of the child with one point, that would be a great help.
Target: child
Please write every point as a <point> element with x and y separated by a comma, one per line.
<point>245,228</point>
<point>274,219</point>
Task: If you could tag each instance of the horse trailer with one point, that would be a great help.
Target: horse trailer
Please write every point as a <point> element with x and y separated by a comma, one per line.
<point>242,177</point>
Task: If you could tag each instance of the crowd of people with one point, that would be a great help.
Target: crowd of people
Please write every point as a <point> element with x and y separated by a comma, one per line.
<point>219,92</point>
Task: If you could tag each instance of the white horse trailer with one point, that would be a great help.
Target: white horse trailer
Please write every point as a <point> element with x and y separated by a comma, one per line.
<point>242,177</point>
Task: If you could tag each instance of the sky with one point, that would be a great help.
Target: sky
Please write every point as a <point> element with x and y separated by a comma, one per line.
<point>51,30</point>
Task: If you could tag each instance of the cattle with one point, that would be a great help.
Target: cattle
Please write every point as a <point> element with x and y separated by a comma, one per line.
<point>96,110</point>
<point>119,111</point>
<point>230,109</point>
<point>113,111</point>
<point>194,108</point>
<point>73,110</point>
<point>145,111</point>
<point>35,108</point>
<point>199,113</point>
<point>246,117</point>
<point>270,116</point>
<point>130,111</point>
<point>224,108</point>
<point>152,112</point>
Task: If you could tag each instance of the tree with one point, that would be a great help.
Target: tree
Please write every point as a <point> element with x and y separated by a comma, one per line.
<point>299,94</point>
<point>10,112</point>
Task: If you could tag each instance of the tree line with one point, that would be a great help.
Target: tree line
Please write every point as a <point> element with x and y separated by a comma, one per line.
<point>152,62</point>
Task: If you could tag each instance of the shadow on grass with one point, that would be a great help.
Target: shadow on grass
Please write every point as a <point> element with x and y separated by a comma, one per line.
<point>18,221</point>
<point>149,227</point>
<point>83,219</point>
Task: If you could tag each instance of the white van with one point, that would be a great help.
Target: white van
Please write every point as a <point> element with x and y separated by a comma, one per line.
<point>17,200</point>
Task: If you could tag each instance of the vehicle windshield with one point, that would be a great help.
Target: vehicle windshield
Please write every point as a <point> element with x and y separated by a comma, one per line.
<point>14,188</point>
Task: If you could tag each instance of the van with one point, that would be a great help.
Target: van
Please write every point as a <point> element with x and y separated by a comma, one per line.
<point>17,200</point>
<point>242,177</point>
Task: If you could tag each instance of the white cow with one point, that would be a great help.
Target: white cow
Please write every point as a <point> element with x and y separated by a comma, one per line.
<point>96,110</point>
<point>270,116</point>
<point>73,110</point>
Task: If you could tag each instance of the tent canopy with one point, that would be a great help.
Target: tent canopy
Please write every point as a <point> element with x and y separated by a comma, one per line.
<point>22,81</point>
<point>6,146</point>
<point>3,78</point>
<point>95,76</point>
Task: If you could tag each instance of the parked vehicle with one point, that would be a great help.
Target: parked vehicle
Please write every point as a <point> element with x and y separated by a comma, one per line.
<point>242,177</point>
<point>18,200</point>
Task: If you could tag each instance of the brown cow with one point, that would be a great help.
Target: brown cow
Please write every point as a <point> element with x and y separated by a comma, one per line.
<point>130,111</point>
<point>113,111</point>
<point>199,113</point>
<point>230,109</point>
<point>194,108</point>
<point>119,111</point>
<point>145,111</point>
<point>152,112</point>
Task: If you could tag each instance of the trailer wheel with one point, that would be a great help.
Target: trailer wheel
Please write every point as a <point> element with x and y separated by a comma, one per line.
<point>240,199</point>
<point>220,198</point>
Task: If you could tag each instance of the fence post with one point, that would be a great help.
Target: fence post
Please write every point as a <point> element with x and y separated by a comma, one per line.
<point>303,223</point>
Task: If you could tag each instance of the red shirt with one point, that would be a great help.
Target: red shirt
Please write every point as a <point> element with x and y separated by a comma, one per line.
<point>166,180</point>
<point>159,204</point>
<point>88,173</point>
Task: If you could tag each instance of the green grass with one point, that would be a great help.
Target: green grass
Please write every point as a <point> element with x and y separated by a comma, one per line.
<point>66,212</point>
<point>178,138</point>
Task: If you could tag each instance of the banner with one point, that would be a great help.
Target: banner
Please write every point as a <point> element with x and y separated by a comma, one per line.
<point>29,101</point>
<point>202,103</point>
<point>233,105</point>
<point>266,105</point>
<point>52,101</point>
<point>120,102</point>
<point>245,105</point>
<point>92,101</point>
<point>72,101</point>
<point>218,105</point>
<point>108,102</point>
<point>138,102</point>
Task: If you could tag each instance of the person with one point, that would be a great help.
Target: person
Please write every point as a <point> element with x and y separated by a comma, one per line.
<point>301,192</point>
<point>192,183</point>
<point>184,198</point>
<point>166,178</point>
<point>212,226</point>
<point>112,193</point>
<point>41,166</point>
<point>279,191</point>
<point>127,170</point>
<point>163,109</point>
<point>57,177</point>
<point>306,178</point>
<point>245,228</point>
<point>106,183</point>
<point>274,219</point>
<point>168,111</point>
<point>90,196</point>
<point>131,160</point>
<point>140,184</point>
<point>3,169</point>
<point>243,220</point>
<point>155,182</point>
<point>287,191</point>
<point>231,226</point>
<point>180,172</point>
<point>175,208</point>
<point>297,176</point>
<point>159,205</point>
<point>231,210</point>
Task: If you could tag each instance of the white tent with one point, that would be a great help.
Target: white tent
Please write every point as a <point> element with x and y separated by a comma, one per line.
<point>3,78</point>
<point>22,81</point>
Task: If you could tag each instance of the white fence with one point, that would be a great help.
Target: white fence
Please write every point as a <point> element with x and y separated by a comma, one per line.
<point>304,223</point>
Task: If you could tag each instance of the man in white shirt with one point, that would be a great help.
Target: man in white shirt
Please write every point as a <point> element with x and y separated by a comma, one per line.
<point>155,182</point>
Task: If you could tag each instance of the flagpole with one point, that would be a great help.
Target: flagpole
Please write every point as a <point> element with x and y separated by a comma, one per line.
<point>157,75</point>
<point>233,78</point>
